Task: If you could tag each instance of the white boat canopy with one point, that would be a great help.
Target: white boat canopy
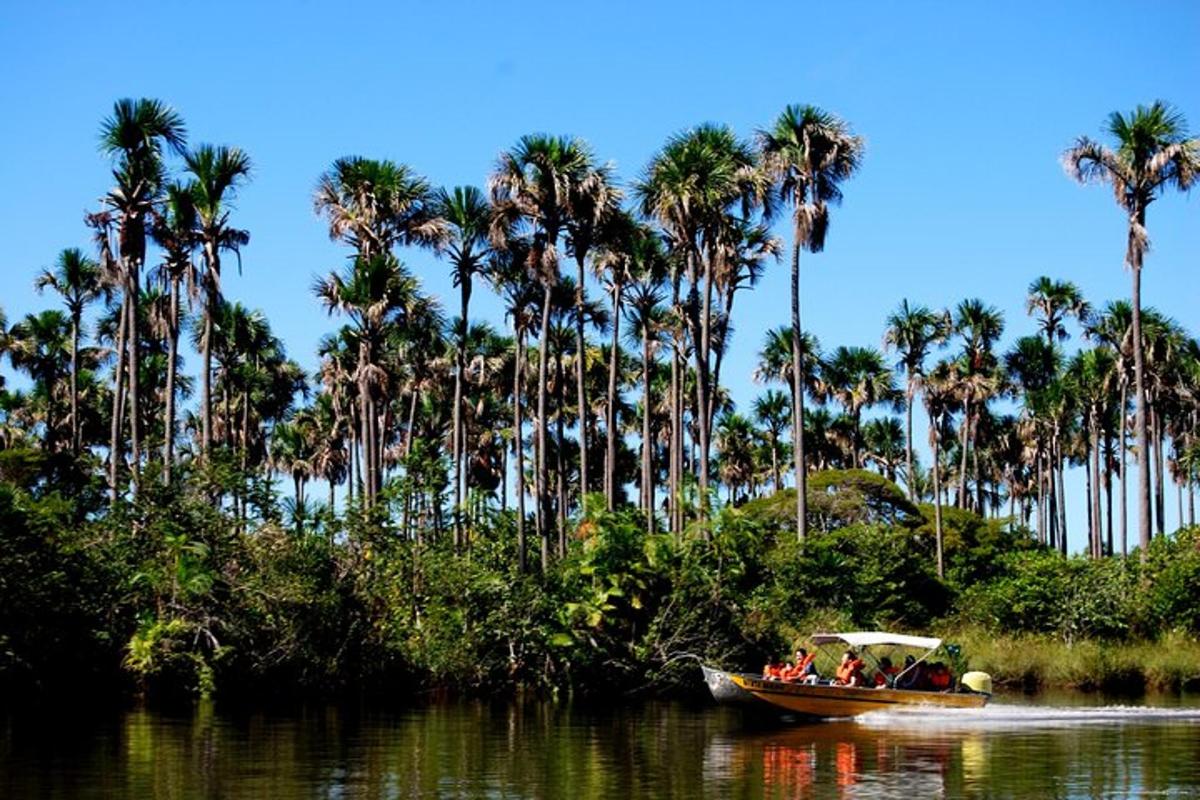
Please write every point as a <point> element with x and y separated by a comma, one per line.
<point>877,638</point>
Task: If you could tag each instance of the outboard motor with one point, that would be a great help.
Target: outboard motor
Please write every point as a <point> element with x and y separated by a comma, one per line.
<point>978,682</point>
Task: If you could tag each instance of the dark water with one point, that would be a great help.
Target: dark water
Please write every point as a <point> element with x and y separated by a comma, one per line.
<point>544,750</point>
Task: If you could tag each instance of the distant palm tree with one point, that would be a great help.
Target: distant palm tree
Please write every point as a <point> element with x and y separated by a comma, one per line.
<point>773,410</point>
<point>467,214</point>
<point>1091,377</point>
<point>1052,302</point>
<point>374,206</point>
<point>76,278</point>
<point>912,331</point>
<point>858,378</point>
<point>40,346</point>
<point>808,153</point>
<point>1153,154</point>
<point>135,136</point>
<point>978,378</point>
<point>216,174</point>
<point>532,184</point>
<point>1113,327</point>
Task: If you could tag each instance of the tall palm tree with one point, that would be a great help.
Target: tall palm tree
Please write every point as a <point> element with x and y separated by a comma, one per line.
<point>375,294</point>
<point>592,200</point>
<point>217,173</point>
<point>467,215</point>
<point>912,331</point>
<point>701,183</point>
<point>374,206</point>
<point>1091,376</point>
<point>980,327</point>
<point>808,153</point>
<point>135,136</point>
<point>76,278</point>
<point>648,322</point>
<point>1153,153</point>
<point>531,186</point>
<point>858,378</point>
<point>1113,327</point>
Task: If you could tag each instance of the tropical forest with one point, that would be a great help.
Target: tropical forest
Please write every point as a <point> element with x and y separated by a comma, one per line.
<point>567,498</point>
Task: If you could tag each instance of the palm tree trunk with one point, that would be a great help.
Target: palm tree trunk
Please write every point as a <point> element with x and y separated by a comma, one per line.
<point>610,460</point>
<point>1159,468</point>
<point>75,322</point>
<point>965,437</point>
<point>366,414</point>
<point>518,445</point>
<point>135,408</point>
<point>647,487</point>
<point>543,475</point>
<point>1062,506</point>
<point>115,452</point>
<point>937,498</point>
<point>559,459</point>
<point>1143,440</point>
<point>1121,443</point>
<point>1108,503</point>
<point>169,406</point>
<point>801,476</point>
<point>908,442</point>
<point>459,367</point>
<point>580,384</point>
<point>1041,497</point>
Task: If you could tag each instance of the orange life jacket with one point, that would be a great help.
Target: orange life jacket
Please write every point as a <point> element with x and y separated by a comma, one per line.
<point>798,671</point>
<point>939,677</point>
<point>847,671</point>
<point>774,671</point>
<point>881,677</point>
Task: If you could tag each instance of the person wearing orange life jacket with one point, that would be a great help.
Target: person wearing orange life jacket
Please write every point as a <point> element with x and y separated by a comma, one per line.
<point>773,672</point>
<point>850,671</point>
<point>802,667</point>
<point>886,676</point>
<point>939,676</point>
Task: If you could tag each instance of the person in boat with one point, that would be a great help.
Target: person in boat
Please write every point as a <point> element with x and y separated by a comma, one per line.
<point>850,671</point>
<point>774,671</point>
<point>886,676</point>
<point>938,677</point>
<point>802,670</point>
<point>912,675</point>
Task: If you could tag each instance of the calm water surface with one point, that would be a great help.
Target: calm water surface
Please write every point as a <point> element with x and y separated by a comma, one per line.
<point>1013,749</point>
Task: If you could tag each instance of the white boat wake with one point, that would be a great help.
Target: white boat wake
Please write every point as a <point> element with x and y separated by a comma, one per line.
<point>1000,716</point>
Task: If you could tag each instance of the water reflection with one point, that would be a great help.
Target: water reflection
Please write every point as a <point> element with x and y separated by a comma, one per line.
<point>543,750</point>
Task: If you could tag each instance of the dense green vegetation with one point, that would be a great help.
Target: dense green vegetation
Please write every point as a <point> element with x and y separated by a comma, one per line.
<point>477,528</point>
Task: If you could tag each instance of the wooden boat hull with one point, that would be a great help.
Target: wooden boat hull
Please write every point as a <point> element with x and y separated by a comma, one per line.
<point>824,701</point>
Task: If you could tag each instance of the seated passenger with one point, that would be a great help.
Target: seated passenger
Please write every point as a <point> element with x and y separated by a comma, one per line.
<point>938,676</point>
<point>886,676</point>
<point>850,671</point>
<point>773,671</point>
<point>803,669</point>
<point>910,676</point>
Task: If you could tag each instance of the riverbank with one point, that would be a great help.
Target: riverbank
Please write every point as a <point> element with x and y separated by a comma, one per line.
<point>1170,664</point>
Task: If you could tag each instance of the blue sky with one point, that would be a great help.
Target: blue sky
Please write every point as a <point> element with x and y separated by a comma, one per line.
<point>965,109</point>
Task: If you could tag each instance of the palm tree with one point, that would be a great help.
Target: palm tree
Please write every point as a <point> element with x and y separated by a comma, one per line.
<point>648,322</point>
<point>135,136</point>
<point>912,331</point>
<point>467,214</point>
<point>1052,302</point>
<point>858,378</point>
<point>693,188</point>
<point>374,294</point>
<point>735,441</point>
<point>1090,377</point>
<point>1034,365</point>
<point>40,346</point>
<point>773,410</point>
<point>808,153</point>
<point>978,378</point>
<point>373,206</point>
<point>938,390</point>
<point>531,184</point>
<point>1153,153</point>
<point>1113,328</point>
<point>216,172</point>
<point>883,440</point>
<point>76,278</point>
<point>592,200</point>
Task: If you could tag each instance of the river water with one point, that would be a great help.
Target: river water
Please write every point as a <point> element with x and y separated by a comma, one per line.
<point>1012,749</point>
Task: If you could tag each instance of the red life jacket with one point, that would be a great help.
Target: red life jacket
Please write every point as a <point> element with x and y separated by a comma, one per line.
<point>847,671</point>
<point>798,671</point>
<point>881,677</point>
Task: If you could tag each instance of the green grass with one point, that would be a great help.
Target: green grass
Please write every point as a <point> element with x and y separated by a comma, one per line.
<point>1033,662</point>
